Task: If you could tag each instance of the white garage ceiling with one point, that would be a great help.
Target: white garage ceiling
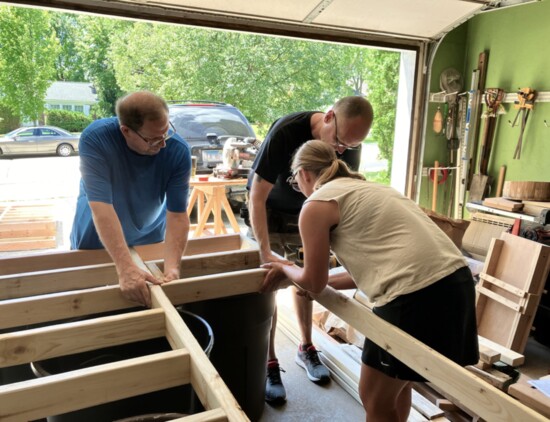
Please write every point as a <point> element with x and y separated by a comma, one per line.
<point>382,21</point>
<point>402,18</point>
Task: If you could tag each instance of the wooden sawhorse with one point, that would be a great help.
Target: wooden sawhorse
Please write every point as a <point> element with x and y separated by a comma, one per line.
<point>210,198</point>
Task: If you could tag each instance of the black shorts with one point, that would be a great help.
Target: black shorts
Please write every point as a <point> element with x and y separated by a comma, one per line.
<point>442,316</point>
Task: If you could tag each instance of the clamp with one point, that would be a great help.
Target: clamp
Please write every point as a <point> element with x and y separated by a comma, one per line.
<point>524,104</point>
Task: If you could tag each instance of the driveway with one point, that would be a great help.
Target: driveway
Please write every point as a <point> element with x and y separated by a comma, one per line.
<point>43,180</point>
<point>55,180</point>
<point>39,178</point>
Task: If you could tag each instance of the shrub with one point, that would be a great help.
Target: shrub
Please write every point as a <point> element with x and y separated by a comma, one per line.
<point>8,121</point>
<point>69,120</point>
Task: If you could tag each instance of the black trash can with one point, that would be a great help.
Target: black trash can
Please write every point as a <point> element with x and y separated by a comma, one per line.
<point>176,400</point>
<point>241,326</point>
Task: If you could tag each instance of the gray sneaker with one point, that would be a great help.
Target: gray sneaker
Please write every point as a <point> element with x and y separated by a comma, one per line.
<point>309,360</point>
<point>275,393</point>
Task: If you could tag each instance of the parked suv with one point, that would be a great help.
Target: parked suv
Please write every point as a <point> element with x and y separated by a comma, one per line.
<point>205,126</point>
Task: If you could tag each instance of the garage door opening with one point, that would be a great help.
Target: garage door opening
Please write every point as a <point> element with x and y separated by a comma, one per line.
<point>265,77</point>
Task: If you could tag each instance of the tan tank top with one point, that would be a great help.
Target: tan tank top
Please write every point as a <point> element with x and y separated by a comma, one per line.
<point>386,242</point>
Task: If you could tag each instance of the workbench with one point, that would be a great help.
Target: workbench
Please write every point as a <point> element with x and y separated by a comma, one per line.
<point>210,198</point>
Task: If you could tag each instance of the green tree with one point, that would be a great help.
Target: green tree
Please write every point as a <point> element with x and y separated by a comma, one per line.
<point>375,74</point>
<point>382,79</point>
<point>28,48</point>
<point>69,65</point>
<point>265,77</point>
<point>93,46</point>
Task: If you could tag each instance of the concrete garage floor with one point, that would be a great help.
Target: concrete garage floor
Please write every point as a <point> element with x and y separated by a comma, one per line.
<point>307,401</point>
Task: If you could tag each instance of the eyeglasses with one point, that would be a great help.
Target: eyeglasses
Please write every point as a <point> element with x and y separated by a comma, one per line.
<point>153,142</point>
<point>337,144</point>
<point>293,182</point>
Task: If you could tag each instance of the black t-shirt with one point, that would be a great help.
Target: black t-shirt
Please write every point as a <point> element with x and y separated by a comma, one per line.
<point>273,161</point>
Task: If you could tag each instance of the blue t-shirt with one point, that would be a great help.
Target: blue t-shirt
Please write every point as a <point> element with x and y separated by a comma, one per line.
<point>140,187</point>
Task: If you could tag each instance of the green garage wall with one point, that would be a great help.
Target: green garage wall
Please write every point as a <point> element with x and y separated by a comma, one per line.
<point>517,41</point>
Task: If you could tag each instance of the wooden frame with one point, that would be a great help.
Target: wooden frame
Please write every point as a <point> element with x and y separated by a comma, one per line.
<point>510,289</point>
<point>186,362</point>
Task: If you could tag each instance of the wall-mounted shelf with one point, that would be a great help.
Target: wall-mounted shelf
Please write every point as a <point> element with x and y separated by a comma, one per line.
<point>543,218</point>
<point>510,97</point>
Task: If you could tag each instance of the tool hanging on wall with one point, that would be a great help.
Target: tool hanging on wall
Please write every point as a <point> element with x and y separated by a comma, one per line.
<point>470,134</point>
<point>450,130</point>
<point>435,183</point>
<point>500,183</point>
<point>481,181</point>
<point>462,105</point>
<point>450,81</point>
<point>438,121</point>
<point>493,100</point>
<point>524,104</point>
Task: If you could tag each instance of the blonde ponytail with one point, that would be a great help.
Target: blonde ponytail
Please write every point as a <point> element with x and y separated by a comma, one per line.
<point>320,158</point>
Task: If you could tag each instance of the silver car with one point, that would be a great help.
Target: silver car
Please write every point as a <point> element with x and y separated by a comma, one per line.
<point>39,140</point>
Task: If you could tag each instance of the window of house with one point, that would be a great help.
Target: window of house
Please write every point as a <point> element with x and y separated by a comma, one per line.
<point>67,107</point>
<point>79,108</point>
<point>54,106</point>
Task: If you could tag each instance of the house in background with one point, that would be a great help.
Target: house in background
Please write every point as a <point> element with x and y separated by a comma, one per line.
<point>71,96</point>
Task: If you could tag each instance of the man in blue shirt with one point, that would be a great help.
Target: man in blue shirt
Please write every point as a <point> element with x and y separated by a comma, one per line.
<point>135,183</point>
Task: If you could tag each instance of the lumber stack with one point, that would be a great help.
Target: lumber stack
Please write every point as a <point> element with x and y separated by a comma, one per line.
<point>503,204</point>
<point>27,227</point>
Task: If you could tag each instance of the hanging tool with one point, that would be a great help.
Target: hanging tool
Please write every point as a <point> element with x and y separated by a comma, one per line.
<point>462,104</point>
<point>435,183</point>
<point>481,181</point>
<point>470,134</point>
<point>500,183</point>
<point>493,100</point>
<point>438,121</point>
<point>450,81</point>
<point>524,104</point>
<point>450,129</point>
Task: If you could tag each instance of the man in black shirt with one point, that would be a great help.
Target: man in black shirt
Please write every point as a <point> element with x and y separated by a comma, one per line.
<point>275,204</point>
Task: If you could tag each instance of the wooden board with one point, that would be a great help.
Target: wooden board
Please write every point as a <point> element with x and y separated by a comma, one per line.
<point>509,290</point>
<point>56,260</point>
<point>530,396</point>
<point>535,208</point>
<point>534,191</point>
<point>507,356</point>
<point>503,204</point>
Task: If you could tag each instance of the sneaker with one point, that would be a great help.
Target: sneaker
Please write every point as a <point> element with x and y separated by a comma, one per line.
<point>309,360</point>
<point>275,393</point>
